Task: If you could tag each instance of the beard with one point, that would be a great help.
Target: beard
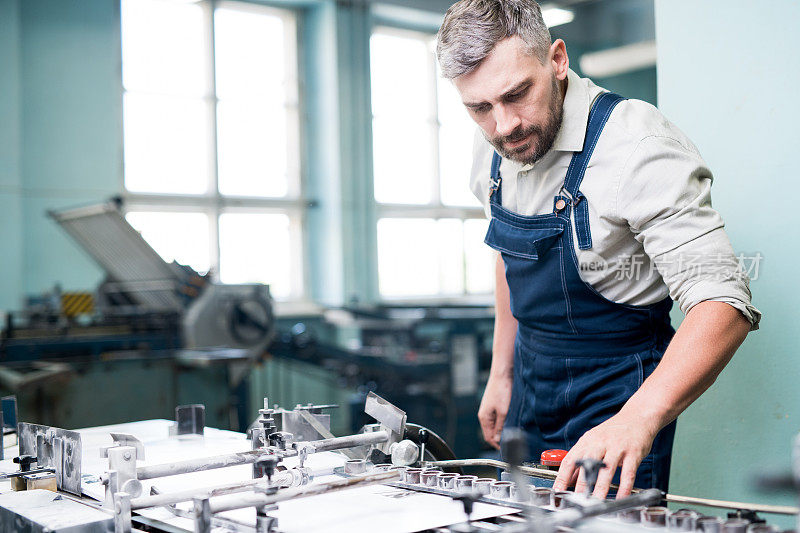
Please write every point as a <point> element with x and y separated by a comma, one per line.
<point>541,137</point>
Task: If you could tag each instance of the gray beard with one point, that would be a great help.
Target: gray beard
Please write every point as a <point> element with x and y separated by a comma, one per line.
<point>546,135</point>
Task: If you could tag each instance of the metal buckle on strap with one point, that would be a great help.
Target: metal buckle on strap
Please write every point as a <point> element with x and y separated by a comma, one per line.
<point>494,185</point>
<point>573,200</point>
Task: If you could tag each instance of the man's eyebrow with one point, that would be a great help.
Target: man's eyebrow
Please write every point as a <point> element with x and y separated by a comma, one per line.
<point>524,84</point>
<point>476,104</point>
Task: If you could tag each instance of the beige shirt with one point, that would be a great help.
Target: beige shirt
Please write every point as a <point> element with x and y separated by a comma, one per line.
<point>654,232</point>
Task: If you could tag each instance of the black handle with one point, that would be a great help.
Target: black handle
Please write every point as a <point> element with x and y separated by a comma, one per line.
<point>24,462</point>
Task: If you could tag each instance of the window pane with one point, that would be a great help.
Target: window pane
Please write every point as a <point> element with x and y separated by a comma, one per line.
<point>256,248</point>
<point>478,257</point>
<point>252,148</point>
<point>403,161</point>
<point>181,237</point>
<point>407,257</point>
<point>455,147</point>
<point>163,47</point>
<point>166,144</point>
<point>401,76</point>
<point>250,54</point>
<point>450,244</point>
<point>426,257</point>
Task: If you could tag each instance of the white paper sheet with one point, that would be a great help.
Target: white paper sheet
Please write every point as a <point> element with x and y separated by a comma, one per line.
<point>359,510</point>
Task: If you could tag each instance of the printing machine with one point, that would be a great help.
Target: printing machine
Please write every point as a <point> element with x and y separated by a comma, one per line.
<point>290,474</point>
<point>143,301</point>
<point>149,322</point>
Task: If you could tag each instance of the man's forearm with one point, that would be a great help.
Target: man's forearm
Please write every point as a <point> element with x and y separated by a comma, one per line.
<point>700,349</point>
<point>505,326</point>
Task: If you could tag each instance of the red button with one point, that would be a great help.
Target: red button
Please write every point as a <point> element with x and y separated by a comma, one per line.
<point>553,457</point>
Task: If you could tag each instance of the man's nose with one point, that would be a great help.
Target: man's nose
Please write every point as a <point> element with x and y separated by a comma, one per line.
<point>506,121</point>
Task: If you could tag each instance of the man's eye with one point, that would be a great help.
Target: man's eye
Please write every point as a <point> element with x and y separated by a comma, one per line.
<point>481,109</point>
<point>514,96</point>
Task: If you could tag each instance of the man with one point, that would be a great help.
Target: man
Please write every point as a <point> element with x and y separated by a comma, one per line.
<point>601,211</point>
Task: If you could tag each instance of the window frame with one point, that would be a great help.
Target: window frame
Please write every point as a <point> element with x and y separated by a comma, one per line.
<point>434,209</point>
<point>213,203</point>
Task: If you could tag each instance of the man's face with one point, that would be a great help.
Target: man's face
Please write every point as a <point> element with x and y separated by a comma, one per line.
<point>516,100</point>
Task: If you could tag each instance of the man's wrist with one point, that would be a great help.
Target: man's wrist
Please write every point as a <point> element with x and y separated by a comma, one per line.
<point>649,417</point>
<point>505,372</point>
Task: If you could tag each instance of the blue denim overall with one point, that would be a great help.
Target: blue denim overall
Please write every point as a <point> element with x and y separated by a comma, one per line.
<point>578,356</point>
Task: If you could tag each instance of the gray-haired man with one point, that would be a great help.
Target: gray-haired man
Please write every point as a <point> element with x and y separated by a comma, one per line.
<point>600,209</point>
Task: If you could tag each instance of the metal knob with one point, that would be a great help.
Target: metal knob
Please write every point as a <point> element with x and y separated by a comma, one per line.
<point>404,453</point>
<point>24,462</point>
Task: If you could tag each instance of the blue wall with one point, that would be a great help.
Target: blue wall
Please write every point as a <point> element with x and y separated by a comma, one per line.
<point>10,168</point>
<point>61,93</point>
<point>727,76</point>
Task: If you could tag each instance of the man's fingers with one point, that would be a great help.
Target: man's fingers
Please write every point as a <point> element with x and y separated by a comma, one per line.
<point>627,476</point>
<point>580,486</point>
<point>500,419</point>
<point>566,474</point>
<point>489,427</point>
<point>606,475</point>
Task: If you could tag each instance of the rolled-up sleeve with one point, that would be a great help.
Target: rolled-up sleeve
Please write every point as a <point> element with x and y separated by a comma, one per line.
<point>664,195</point>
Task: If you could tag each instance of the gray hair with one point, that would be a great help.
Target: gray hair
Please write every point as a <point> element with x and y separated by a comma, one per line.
<point>472,28</point>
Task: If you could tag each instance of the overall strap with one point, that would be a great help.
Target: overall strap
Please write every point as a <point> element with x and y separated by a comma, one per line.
<point>495,191</point>
<point>598,116</point>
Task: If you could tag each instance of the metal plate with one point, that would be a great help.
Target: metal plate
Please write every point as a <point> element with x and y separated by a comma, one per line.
<point>57,448</point>
<point>190,419</point>
<point>386,413</point>
<point>126,257</point>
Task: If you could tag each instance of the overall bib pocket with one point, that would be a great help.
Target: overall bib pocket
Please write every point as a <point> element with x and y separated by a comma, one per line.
<point>525,243</point>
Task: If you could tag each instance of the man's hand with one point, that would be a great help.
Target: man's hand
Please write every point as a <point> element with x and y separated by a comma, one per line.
<point>622,441</point>
<point>494,408</point>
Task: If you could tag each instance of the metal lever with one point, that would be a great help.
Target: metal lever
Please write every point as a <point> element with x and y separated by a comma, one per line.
<point>591,469</point>
<point>423,440</point>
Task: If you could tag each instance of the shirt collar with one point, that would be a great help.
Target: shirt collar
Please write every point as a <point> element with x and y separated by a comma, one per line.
<point>576,115</point>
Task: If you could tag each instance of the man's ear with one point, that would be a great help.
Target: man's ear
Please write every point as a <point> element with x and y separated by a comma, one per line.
<point>559,59</point>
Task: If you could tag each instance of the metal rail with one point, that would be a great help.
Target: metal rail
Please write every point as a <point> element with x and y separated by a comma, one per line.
<point>349,441</point>
<point>198,465</point>
<point>253,456</point>
<point>690,500</point>
<point>280,479</point>
<point>230,503</point>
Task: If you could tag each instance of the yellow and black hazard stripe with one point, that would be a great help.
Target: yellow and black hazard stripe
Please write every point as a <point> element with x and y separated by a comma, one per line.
<point>76,303</point>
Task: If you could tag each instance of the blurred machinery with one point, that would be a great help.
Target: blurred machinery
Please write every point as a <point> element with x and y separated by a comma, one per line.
<point>165,316</point>
<point>432,360</point>
<point>143,300</point>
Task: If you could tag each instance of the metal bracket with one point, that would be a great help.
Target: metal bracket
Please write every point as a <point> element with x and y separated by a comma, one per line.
<point>122,462</point>
<point>56,448</point>
<point>391,418</point>
<point>125,439</point>
<point>202,515</point>
<point>122,513</point>
<point>190,419</point>
<point>322,430</point>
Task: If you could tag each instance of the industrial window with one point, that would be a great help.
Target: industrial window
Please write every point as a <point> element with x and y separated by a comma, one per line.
<point>430,226</point>
<point>211,141</point>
